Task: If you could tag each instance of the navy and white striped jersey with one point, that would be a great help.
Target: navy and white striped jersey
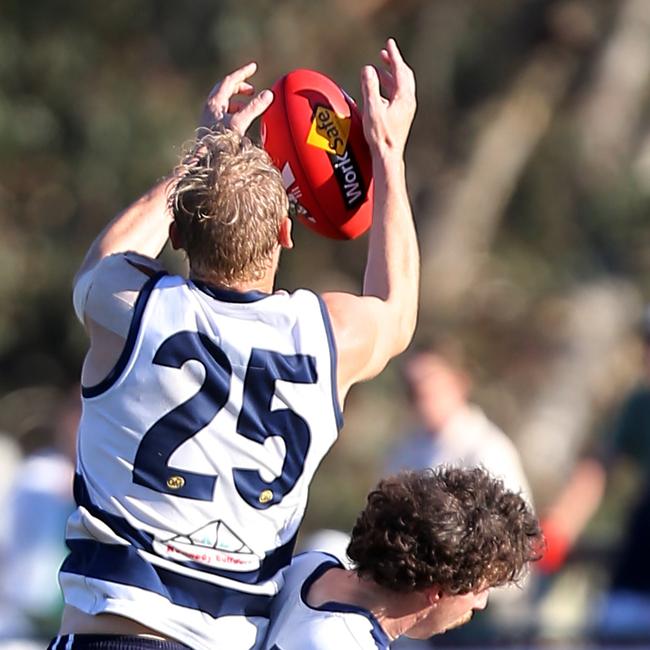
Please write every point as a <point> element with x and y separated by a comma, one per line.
<point>195,456</point>
<point>295,625</point>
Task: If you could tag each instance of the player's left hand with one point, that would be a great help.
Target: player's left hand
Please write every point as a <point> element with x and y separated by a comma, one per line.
<point>387,119</point>
<point>222,106</point>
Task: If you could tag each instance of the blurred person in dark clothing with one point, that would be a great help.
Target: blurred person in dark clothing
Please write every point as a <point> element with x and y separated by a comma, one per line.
<point>625,609</point>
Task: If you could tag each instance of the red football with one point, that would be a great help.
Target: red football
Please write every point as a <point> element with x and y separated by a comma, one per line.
<point>314,135</point>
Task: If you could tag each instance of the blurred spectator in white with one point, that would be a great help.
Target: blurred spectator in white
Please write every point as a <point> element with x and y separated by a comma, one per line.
<point>35,511</point>
<point>9,459</point>
<point>451,430</point>
<point>625,450</point>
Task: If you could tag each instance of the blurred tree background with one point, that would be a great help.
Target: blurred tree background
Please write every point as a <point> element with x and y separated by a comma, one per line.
<point>528,167</point>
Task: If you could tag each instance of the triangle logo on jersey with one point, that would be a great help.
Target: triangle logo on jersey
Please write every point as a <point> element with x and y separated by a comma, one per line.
<point>214,544</point>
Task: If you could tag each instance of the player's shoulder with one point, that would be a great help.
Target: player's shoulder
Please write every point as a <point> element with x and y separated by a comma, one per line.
<point>327,633</point>
<point>126,271</point>
<point>340,627</point>
<point>129,261</point>
<point>321,630</point>
<point>308,559</point>
<point>327,627</point>
<point>111,287</point>
<point>309,565</point>
<point>304,570</point>
<point>314,638</point>
<point>303,307</point>
<point>301,296</point>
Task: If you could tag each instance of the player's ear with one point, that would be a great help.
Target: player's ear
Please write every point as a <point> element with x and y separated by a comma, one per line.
<point>175,237</point>
<point>284,234</point>
<point>433,595</point>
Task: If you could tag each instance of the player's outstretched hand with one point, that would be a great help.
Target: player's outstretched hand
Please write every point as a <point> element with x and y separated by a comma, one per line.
<point>223,106</point>
<point>387,116</point>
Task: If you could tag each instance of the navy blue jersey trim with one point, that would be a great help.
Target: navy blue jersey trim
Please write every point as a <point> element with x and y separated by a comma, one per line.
<point>123,565</point>
<point>314,575</point>
<point>113,642</point>
<point>275,561</point>
<point>227,295</point>
<point>333,361</point>
<point>54,642</point>
<point>118,368</point>
<point>377,632</point>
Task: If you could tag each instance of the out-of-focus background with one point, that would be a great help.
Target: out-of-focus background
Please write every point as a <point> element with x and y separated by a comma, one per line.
<point>529,173</point>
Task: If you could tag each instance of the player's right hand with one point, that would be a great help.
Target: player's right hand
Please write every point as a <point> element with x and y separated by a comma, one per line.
<point>222,106</point>
<point>387,119</point>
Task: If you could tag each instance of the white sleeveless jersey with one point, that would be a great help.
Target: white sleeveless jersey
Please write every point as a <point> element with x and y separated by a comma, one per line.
<point>295,625</point>
<point>194,459</point>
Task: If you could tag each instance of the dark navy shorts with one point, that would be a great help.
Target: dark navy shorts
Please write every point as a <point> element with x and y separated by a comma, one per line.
<point>112,642</point>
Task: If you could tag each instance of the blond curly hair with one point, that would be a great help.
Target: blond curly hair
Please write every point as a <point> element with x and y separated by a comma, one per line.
<point>228,202</point>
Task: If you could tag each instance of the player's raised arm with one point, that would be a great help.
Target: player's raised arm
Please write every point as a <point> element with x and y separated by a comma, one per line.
<point>143,227</point>
<point>371,329</point>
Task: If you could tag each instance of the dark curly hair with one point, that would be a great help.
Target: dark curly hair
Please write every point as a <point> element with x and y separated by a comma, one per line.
<point>458,529</point>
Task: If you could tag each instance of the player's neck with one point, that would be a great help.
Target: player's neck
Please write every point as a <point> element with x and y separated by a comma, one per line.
<point>263,284</point>
<point>395,612</point>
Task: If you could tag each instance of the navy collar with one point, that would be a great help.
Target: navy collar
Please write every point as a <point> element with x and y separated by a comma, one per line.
<point>229,295</point>
<point>377,632</point>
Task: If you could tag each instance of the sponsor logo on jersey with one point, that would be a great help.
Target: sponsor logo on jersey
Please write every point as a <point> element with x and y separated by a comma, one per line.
<point>329,131</point>
<point>214,544</point>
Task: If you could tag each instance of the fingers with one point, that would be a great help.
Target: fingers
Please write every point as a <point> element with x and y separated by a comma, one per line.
<point>244,88</point>
<point>370,87</point>
<point>387,118</point>
<point>220,102</point>
<point>242,120</point>
<point>387,82</point>
<point>403,75</point>
<point>234,106</point>
<point>232,82</point>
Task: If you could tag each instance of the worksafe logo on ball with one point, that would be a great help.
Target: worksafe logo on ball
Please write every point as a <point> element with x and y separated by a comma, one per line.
<point>214,544</point>
<point>348,176</point>
<point>329,131</point>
